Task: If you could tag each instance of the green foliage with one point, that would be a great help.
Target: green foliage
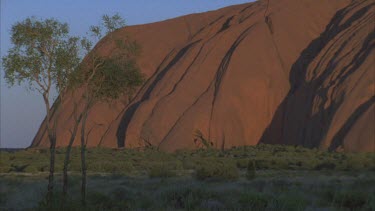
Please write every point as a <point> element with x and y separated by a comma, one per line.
<point>325,166</point>
<point>114,167</point>
<point>217,170</point>
<point>113,23</point>
<point>242,163</point>
<point>114,78</point>
<point>251,170</point>
<point>161,170</point>
<point>129,161</point>
<point>43,54</point>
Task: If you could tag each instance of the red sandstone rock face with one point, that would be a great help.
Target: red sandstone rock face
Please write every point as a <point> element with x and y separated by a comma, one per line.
<point>293,72</point>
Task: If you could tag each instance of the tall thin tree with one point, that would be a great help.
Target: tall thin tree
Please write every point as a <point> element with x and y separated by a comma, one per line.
<point>105,78</point>
<point>41,57</point>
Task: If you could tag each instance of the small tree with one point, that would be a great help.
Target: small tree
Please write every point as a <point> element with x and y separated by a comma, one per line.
<point>43,56</point>
<point>77,117</point>
<point>106,78</point>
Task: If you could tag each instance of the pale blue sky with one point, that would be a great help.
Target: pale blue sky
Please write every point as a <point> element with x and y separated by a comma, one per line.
<point>22,111</point>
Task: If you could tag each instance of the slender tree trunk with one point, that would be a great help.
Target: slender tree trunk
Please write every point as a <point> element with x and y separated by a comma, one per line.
<point>83,158</point>
<point>51,168</point>
<point>52,149</point>
<point>67,157</point>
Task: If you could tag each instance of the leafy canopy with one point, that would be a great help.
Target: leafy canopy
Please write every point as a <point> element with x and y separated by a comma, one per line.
<point>109,77</point>
<point>43,55</point>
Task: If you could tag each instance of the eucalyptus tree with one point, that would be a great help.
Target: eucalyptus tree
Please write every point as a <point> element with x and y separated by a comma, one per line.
<point>43,56</point>
<point>106,78</point>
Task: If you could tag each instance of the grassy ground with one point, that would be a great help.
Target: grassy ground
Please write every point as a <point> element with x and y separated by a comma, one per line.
<point>244,178</point>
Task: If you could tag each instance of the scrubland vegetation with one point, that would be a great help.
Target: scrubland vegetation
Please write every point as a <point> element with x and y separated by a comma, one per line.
<point>264,177</point>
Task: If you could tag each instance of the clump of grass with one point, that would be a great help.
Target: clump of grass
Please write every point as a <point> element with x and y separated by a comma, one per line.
<point>327,165</point>
<point>161,170</point>
<point>242,163</point>
<point>217,170</point>
<point>251,170</point>
<point>125,161</point>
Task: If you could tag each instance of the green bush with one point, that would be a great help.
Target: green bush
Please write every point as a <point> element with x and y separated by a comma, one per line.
<point>32,169</point>
<point>5,168</point>
<point>189,163</point>
<point>161,170</point>
<point>115,167</point>
<point>242,163</point>
<point>15,167</point>
<point>124,161</point>
<point>220,170</point>
<point>327,165</point>
<point>251,170</point>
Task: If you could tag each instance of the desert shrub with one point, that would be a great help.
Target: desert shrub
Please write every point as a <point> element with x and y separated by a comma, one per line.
<point>31,169</point>
<point>74,165</point>
<point>251,170</point>
<point>242,163</point>
<point>220,170</point>
<point>253,201</point>
<point>264,164</point>
<point>189,163</point>
<point>125,167</point>
<point>18,167</point>
<point>119,167</point>
<point>5,168</point>
<point>43,168</point>
<point>279,164</point>
<point>326,165</point>
<point>161,170</point>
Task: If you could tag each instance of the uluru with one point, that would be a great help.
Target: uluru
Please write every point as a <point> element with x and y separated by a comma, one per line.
<point>293,72</point>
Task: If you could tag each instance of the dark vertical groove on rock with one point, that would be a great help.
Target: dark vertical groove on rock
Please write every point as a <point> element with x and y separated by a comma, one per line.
<point>345,129</point>
<point>311,133</point>
<point>226,24</point>
<point>179,81</point>
<point>226,60</point>
<point>121,131</point>
<point>223,68</point>
<point>334,28</point>
<point>216,20</point>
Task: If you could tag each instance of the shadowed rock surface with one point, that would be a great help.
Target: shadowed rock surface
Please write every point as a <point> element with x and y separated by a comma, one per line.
<point>295,72</point>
